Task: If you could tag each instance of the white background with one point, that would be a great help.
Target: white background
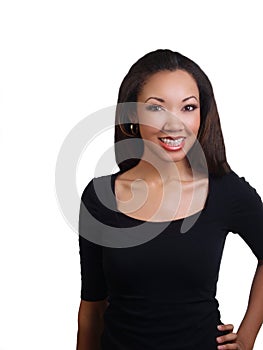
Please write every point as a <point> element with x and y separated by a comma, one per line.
<point>60,62</point>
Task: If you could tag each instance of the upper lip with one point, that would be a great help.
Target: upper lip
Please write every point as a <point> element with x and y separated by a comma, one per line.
<point>172,137</point>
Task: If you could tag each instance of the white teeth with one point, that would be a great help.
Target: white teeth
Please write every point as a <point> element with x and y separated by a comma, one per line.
<point>172,142</point>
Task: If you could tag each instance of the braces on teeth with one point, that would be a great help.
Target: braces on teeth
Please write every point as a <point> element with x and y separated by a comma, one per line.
<point>172,142</point>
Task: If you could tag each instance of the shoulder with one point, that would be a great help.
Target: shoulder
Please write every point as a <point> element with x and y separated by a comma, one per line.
<point>95,184</point>
<point>97,193</point>
<point>241,186</point>
<point>238,190</point>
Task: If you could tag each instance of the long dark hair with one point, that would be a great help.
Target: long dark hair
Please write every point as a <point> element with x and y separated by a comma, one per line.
<point>210,135</point>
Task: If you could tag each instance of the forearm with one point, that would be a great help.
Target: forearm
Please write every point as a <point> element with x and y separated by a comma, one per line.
<point>88,340</point>
<point>89,334</point>
<point>253,318</point>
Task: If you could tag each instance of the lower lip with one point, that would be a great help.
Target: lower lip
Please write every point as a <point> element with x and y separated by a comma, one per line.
<point>172,148</point>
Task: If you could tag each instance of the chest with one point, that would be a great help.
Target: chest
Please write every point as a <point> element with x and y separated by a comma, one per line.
<point>169,263</point>
<point>155,203</point>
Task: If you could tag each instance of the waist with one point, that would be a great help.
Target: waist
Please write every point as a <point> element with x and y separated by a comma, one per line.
<point>157,322</point>
<point>151,311</point>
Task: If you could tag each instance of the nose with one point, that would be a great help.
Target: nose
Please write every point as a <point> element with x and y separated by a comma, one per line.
<point>172,123</point>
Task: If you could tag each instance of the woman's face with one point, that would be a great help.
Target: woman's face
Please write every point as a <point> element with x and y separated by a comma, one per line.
<point>168,113</point>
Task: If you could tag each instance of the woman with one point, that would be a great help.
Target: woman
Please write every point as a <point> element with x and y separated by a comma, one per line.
<point>160,293</point>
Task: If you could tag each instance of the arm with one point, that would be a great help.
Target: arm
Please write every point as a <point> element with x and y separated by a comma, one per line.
<point>94,291</point>
<point>252,321</point>
<point>245,217</point>
<point>90,324</point>
<point>246,335</point>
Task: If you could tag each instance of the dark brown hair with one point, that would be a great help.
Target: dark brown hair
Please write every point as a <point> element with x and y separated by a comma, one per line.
<point>210,135</point>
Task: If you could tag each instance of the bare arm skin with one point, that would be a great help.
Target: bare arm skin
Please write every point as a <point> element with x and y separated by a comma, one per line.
<point>253,318</point>
<point>246,335</point>
<point>90,324</point>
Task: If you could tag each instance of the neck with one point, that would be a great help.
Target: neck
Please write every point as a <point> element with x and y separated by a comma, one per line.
<point>153,169</point>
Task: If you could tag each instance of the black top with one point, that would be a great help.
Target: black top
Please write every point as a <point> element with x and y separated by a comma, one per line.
<point>162,292</point>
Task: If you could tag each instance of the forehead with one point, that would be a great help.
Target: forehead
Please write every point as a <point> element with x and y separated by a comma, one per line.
<point>165,83</point>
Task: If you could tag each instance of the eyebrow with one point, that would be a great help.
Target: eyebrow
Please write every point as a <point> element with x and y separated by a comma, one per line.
<point>161,100</point>
<point>188,98</point>
<point>156,98</point>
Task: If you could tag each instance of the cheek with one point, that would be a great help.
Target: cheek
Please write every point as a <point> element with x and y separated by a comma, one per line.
<point>150,125</point>
<point>147,131</point>
<point>193,124</point>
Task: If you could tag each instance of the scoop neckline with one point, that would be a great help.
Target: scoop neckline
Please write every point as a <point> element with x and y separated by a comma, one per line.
<point>200,212</point>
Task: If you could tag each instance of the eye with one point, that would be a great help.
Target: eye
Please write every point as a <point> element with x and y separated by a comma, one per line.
<point>189,108</point>
<point>154,108</point>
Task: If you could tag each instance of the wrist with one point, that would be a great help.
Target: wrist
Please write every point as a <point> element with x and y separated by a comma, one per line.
<point>243,344</point>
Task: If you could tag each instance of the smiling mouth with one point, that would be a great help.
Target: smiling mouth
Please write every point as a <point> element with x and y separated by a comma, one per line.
<point>172,142</point>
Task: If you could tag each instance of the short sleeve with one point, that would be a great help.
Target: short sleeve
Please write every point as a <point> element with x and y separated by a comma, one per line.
<point>245,213</point>
<point>93,284</point>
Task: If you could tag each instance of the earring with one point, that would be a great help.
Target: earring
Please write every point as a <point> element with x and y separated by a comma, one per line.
<point>134,129</point>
